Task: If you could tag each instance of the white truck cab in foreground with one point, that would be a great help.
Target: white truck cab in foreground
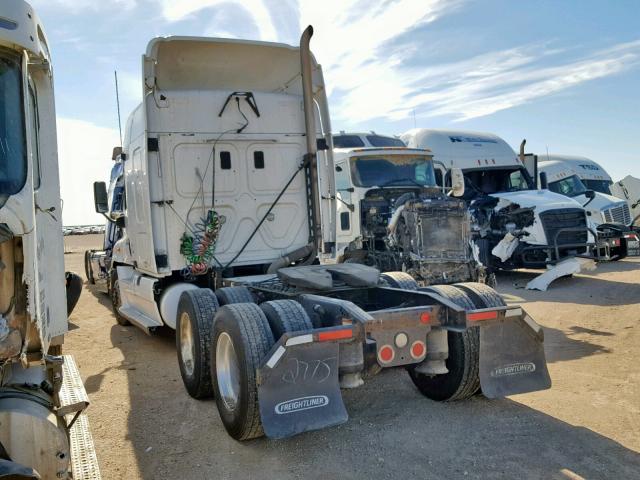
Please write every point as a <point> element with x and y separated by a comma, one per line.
<point>536,227</point>
<point>43,430</point>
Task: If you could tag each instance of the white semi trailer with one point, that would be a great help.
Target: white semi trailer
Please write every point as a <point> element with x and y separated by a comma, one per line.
<point>43,431</point>
<point>230,203</point>
<point>515,225</point>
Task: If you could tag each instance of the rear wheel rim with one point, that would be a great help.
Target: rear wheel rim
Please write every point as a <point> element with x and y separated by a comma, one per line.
<point>227,371</point>
<point>187,346</point>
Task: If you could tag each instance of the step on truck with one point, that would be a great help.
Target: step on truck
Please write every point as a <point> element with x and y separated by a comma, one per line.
<point>392,215</point>
<point>229,207</point>
<point>44,432</point>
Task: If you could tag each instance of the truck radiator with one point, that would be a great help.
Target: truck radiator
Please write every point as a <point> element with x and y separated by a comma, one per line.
<point>555,220</point>
<point>442,233</point>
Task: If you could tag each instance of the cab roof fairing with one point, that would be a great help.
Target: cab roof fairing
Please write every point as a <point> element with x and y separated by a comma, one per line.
<point>188,63</point>
<point>342,153</point>
<point>463,149</point>
<point>21,29</point>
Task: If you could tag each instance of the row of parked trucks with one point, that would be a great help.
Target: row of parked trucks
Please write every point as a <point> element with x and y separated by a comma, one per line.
<point>239,220</point>
<point>288,266</point>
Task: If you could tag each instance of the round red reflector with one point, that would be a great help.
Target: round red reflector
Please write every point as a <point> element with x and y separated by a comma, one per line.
<point>386,354</point>
<point>417,349</point>
<point>425,317</point>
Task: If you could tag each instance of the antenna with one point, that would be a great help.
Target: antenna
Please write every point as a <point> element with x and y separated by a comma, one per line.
<point>547,152</point>
<point>115,73</point>
<point>414,118</point>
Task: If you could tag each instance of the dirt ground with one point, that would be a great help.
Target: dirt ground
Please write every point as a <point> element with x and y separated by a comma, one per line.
<point>586,426</point>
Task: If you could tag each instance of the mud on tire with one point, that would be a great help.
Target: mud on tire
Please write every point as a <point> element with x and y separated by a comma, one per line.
<point>196,310</point>
<point>463,379</point>
<point>241,340</point>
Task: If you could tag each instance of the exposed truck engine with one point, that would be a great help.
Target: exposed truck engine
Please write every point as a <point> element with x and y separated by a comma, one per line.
<point>392,216</point>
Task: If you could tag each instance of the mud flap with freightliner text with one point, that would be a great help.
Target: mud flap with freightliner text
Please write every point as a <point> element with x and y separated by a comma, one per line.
<point>299,389</point>
<point>512,357</point>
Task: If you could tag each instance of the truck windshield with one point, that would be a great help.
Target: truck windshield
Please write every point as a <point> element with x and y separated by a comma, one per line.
<point>387,170</point>
<point>497,180</point>
<point>602,186</point>
<point>570,186</point>
<point>13,150</point>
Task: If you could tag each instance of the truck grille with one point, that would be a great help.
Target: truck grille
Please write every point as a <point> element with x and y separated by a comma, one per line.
<point>619,214</point>
<point>555,220</point>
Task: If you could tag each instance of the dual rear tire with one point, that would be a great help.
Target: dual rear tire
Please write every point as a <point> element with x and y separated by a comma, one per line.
<point>463,379</point>
<point>220,349</point>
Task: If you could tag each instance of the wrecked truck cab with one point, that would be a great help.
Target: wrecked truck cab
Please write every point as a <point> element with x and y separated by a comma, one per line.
<point>392,215</point>
<point>513,224</point>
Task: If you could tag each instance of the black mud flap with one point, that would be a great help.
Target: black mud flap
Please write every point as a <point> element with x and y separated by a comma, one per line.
<point>299,389</point>
<point>512,358</point>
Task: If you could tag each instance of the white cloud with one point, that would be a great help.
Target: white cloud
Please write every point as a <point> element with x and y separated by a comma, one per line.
<point>84,156</point>
<point>77,6</point>
<point>174,11</point>
<point>501,80</point>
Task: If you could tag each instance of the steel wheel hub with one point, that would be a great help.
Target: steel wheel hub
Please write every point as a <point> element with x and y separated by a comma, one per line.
<point>227,371</point>
<point>187,346</point>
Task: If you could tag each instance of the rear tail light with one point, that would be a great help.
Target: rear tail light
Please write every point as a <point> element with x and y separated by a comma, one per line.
<point>425,318</point>
<point>418,350</point>
<point>386,354</point>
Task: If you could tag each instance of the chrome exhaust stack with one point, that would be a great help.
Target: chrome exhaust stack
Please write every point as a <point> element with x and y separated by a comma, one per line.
<point>310,158</point>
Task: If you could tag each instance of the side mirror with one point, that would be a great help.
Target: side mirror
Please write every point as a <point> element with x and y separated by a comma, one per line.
<point>117,151</point>
<point>590,194</point>
<point>457,182</point>
<point>100,197</point>
<point>544,183</point>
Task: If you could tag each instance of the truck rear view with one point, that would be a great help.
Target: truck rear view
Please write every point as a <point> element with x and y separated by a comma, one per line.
<point>230,205</point>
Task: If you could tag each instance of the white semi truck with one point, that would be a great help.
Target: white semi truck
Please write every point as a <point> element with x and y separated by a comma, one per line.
<point>230,204</point>
<point>609,216</point>
<point>43,430</point>
<point>514,224</point>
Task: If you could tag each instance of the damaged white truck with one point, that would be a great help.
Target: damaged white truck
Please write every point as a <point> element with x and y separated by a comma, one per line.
<point>229,206</point>
<point>392,214</point>
<point>43,431</point>
<point>514,225</point>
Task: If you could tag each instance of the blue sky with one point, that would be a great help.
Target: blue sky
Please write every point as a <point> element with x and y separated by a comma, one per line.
<point>563,74</point>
